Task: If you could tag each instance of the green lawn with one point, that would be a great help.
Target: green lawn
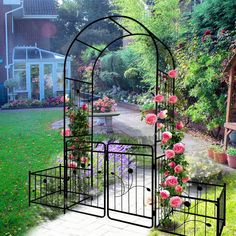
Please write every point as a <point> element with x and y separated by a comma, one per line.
<point>26,143</point>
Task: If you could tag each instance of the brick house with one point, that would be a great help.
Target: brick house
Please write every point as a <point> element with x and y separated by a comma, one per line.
<point>26,29</point>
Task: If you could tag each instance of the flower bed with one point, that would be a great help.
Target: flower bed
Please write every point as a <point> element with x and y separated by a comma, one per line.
<point>22,104</point>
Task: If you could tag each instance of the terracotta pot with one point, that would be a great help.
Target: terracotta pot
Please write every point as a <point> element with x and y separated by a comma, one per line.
<point>220,157</point>
<point>211,153</point>
<point>232,161</point>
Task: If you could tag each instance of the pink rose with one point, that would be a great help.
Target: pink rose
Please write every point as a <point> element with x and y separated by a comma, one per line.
<point>164,194</point>
<point>185,179</point>
<point>73,147</point>
<point>66,109</point>
<point>73,164</point>
<point>103,109</point>
<point>66,133</point>
<point>66,98</point>
<point>169,153</point>
<point>171,181</point>
<point>160,125</point>
<point>179,125</point>
<point>178,169</point>
<point>172,164</point>
<point>84,160</point>
<point>178,189</point>
<point>159,98</point>
<point>172,73</point>
<point>179,148</point>
<point>175,202</point>
<point>172,99</point>
<point>162,114</point>
<point>167,135</point>
<point>85,107</point>
<point>151,119</point>
<point>166,173</point>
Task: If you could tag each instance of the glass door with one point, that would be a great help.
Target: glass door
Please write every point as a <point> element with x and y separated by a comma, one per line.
<point>35,79</point>
<point>48,80</point>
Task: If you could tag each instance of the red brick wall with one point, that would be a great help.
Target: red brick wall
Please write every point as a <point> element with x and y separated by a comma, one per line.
<point>29,32</point>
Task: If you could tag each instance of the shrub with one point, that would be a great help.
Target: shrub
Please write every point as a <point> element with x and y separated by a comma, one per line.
<point>231,151</point>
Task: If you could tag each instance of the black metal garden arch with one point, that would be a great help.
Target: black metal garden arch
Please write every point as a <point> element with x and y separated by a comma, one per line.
<point>65,187</point>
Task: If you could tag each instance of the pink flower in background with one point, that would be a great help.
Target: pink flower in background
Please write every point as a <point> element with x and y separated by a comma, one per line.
<point>73,147</point>
<point>176,202</point>
<point>71,156</point>
<point>103,109</point>
<point>172,99</point>
<point>164,141</point>
<point>171,181</point>
<point>179,125</point>
<point>160,125</point>
<point>159,98</point>
<point>185,179</point>
<point>163,184</point>
<point>66,109</point>
<point>207,32</point>
<point>169,153</point>
<point>66,99</point>
<point>85,107</point>
<point>166,173</point>
<point>84,160</point>
<point>179,148</point>
<point>66,133</point>
<point>164,194</point>
<point>172,73</point>
<point>167,135</point>
<point>172,164</point>
<point>151,119</point>
<point>178,169</point>
<point>73,164</point>
<point>178,189</point>
<point>162,114</point>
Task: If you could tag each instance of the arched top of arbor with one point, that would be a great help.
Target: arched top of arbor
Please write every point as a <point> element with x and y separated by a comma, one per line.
<point>231,64</point>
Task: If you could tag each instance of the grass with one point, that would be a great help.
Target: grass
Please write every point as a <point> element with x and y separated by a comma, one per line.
<point>26,143</point>
<point>229,229</point>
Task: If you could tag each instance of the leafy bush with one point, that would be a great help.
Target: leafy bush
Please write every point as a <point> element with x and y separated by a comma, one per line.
<point>214,15</point>
<point>231,151</point>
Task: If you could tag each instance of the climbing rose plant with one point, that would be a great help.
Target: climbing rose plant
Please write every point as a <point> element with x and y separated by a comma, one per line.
<point>174,166</point>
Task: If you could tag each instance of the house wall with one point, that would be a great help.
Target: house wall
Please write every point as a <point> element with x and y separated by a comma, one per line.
<point>29,32</point>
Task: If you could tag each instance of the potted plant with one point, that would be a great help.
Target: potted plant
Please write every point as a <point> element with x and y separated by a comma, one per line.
<point>231,157</point>
<point>211,151</point>
<point>220,155</point>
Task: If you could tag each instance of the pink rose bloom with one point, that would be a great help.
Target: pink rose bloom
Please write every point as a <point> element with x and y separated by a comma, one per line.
<point>151,119</point>
<point>178,169</point>
<point>66,109</point>
<point>176,202</point>
<point>179,148</point>
<point>179,125</point>
<point>164,194</point>
<point>160,125</point>
<point>172,73</point>
<point>167,135</point>
<point>172,99</point>
<point>162,114</point>
<point>73,164</point>
<point>103,109</point>
<point>159,98</point>
<point>185,179</point>
<point>172,164</point>
<point>66,133</point>
<point>85,107</point>
<point>178,189</point>
<point>169,153</point>
<point>171,181</point>
<point>66,98</point>
<point>166,173</point>
<point>84,160</point>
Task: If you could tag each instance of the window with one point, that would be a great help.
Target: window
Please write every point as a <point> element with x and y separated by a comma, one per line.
<point>20,76</point>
